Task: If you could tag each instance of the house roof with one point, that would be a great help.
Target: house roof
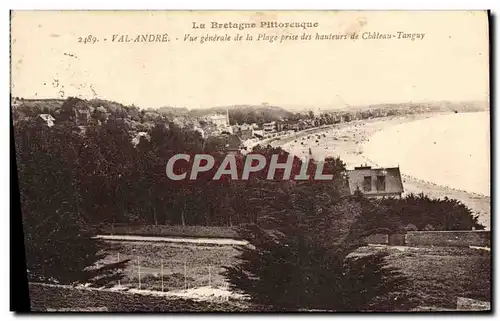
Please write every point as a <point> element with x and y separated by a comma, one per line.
<point>46,117</point>
<point>393,181</point>
<point>137,137</point>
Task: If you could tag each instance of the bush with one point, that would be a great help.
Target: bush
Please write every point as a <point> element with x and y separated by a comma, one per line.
<point>291,272</point>
<point>420,210</point>
<point>411,227</point>
<point>429,227</point>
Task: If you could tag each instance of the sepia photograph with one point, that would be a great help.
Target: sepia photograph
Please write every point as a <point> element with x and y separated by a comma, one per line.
<point>252,161</point>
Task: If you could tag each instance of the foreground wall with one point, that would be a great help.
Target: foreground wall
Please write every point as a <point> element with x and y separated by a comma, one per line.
<point>170,230</point>
<point>449,238</point>
<point>411,238</point>
<point>434,238</point>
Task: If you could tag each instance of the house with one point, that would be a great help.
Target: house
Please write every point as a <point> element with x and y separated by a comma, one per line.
<point>47,119</point>
<point>280,125</point>
<point>201,131</point>
<point>232,144</point>
<point>293,125</point>
<point>269,127</point>
<point>306,123</point>
<point>100,115</point>
<point>376,182</point>
<point>246,134</point>
<point>258,133</point>
<point>83,114</point>
<point>244,131</point>
<point>219,120</point>
<point>137,139</point>
<point>221,123</point>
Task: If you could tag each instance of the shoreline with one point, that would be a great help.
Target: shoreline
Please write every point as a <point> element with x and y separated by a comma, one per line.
<point>347,140</point>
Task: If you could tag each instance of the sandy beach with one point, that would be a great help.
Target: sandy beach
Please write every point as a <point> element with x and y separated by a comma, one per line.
<point>347,141</point>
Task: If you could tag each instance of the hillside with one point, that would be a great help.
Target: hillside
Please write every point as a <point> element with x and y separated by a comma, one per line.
<point>246,113</point>
<point>38,103</point>
<point>444,105</point>
<point>173,111</point>
<point>252,113</point>
<point>239,114</point>
<point>439,106</point>
<point>265,111</point>
<point>232,108</point>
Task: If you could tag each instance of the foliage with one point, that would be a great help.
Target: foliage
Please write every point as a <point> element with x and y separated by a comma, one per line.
<point>298,265</point>
<point>411,227</point>
<point>425,213</point>
<point>59,244</point>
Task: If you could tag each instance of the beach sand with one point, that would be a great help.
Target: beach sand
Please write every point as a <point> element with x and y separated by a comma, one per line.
<point>346,141</point>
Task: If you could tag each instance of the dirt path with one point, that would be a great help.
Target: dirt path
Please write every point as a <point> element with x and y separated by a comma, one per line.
<point>216,241</point>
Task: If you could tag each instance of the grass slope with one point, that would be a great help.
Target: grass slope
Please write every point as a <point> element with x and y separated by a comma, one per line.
<point>438,275</point>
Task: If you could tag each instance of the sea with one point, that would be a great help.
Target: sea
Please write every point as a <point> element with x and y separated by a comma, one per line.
<point>451,150</point>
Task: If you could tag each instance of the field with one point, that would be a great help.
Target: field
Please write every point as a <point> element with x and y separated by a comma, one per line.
<point>184,265</point>
<point>59,298</point>
<point>437,275</point>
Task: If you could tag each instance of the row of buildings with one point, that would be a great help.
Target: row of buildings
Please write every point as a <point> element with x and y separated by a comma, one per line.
<point>219,123</point>
<point>372,182</point>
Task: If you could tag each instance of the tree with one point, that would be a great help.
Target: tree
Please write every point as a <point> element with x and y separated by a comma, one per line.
<point>292,272</point>
<point>58,239</point>
<point>420,210</point>
<point>62,250</point>
<point>411,227</point>
<point>294,264</point>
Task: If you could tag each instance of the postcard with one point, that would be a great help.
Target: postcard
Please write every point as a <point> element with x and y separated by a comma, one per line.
<point>253,161</point>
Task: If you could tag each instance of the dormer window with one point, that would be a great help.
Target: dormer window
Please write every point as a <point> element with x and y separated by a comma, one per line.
<point>367,183</point>
<point>380,183</point>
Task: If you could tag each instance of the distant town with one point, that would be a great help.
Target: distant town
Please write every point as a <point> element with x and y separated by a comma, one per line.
<point>234,128</point>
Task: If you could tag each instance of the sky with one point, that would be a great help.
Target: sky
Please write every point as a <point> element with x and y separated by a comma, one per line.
<point>449,63</point>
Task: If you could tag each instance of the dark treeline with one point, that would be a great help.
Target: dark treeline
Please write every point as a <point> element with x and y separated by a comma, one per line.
<point>98,171</point>
<point>101,173</point>
<point>261,115</point>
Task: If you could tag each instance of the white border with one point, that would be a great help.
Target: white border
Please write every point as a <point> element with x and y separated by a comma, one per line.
<point>258,5</point>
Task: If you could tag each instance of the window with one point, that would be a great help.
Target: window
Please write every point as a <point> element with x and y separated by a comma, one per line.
<point>380,183</point>
<point>367,183</point>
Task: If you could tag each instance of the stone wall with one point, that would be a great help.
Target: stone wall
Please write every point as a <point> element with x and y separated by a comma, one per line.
<point>377,239</point>
<point>170,231</point>
<point>449,238</point>
<point>434,238</point>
